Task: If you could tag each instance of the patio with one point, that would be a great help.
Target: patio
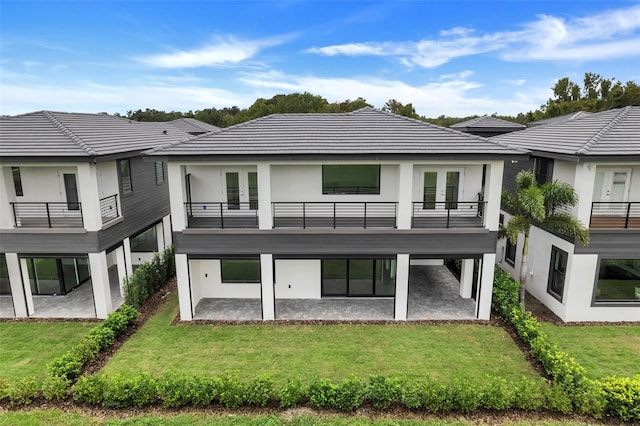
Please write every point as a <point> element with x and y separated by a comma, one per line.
<point>433,295</point>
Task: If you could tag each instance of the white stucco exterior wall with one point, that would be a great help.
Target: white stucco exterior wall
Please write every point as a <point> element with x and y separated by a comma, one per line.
<point>402,287</point>
<point>206,282</point>
<point>184,293</point>
<point>177,196</point>
<point>485,289</point>
<point>266,274</point>
<point>298,279</point>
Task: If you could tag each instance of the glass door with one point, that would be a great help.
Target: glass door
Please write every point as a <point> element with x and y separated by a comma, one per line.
<point>441,188</point>
<point>71,191</point>
<point>241,187</point>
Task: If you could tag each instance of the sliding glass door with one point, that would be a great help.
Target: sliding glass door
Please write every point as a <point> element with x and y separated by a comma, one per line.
<point>358,277</point>
<point>55,276</point>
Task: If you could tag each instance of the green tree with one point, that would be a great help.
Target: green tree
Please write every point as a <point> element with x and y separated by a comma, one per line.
<point>399,108</point>
<point>541,206</point>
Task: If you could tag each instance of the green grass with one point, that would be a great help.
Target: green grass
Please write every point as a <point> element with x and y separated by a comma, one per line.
<point>604,350</point>
<point>27,347</point>
<point>61,418</point>
<point>447,351</point>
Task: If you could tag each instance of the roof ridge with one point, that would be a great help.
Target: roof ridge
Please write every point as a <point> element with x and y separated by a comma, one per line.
<point>600,133</point>
<point>53,119</point>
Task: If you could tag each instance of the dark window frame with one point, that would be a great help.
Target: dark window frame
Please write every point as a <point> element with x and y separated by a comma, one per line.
<point>546,175</point>
<point>510,249</point>
<point>17,181</point>
<point>123,190</point>
<point>375,263</point>
<point>224,280</point>
<point>152,229</point>
<point>612,302</point>
<point>551,281</point>
<point>160,174</point>
<point>335,190</point>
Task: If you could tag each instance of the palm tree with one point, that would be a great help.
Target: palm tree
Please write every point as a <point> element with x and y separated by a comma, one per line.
<point>541,206</point>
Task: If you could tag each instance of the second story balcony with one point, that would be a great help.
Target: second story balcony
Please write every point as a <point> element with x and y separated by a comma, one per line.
<point>334,214</point>
<point>448,214</point>
<point>615,215</point>
<point>221,215</point>
<point>47,214</point>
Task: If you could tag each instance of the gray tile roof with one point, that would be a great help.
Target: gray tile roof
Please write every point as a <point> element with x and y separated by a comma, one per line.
<point>62,134</point>
<point>365,131</point>
<point>487,122</point>
<point>610,133</point>
<point>191,125</point>
<point>560,119</point>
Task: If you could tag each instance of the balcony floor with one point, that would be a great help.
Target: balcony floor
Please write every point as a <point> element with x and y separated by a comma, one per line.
<point>433,295</point>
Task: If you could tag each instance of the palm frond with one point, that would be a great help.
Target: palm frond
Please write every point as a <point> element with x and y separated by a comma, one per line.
<point>565,224</point>
<point>558,194</point>
<point>525,179</point>
<point>531,201</point>
<point>515,226</point>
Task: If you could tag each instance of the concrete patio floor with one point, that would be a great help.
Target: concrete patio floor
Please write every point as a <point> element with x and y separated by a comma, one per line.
<point>6,306</point>
<point>433,295</point>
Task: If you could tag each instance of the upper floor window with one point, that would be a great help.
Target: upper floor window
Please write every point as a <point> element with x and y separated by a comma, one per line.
<point>557,272</point>
<point>543,170</point>
<point>124,167</point>
<point>159,172</point>
<point>351,179</point>
<point>17,181</point>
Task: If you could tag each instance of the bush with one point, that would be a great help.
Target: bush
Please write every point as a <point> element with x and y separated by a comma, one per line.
<point>89,390</point>
<point>122,392</point>
<point>22,392</point>
<point>622,397</point>
<point>496,394</point>
<point>322,393</point>
<point>102,336</point>
<point>232,393</point>
<point>56,387</point>
<point>349,394</point>
<point>527,394</point>
<point>382,391</point>
<point>463,397</point>
<point>259,391</point>
<point>558,399</point>
<point>149,278</point>
<point>291,394</point>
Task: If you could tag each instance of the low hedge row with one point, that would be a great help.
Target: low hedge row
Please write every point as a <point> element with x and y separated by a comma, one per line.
<point>613,396</point>
<point>149,278</point>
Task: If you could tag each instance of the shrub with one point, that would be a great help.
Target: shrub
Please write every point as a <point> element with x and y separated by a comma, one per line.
<point>322,393</point>
<point>89,390</point>
<point>149,278</point>
<point>527,394</point>
<point>382,391</point>
<point>464,398</point>
<point>102,336</point>
<point>291,394</point>
<point>231,393</point>
<point>556,398</point>
<point>496,394</point>
<point>259,391</point>
<point>122,392</point>
<point>22,392</point>
<point>56,387</point>
<point>622,397</point>
<point>121,319</point>
<point>349,395</point>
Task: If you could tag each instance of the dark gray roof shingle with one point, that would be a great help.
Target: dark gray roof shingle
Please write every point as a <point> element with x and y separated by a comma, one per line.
<point>62,134</point>
<point>487,122</point>
<point>191,125</point>
<point>610,133</point>
<point>560,119</point>
<point>365,131</point>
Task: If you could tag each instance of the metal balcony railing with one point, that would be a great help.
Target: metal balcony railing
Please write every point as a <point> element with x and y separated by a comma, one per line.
<point>109,208</point>
<point>221,215</point>
<point>615,215</point>
<point>448,214</point>
<point>47,214</point>
<point>318,214</point>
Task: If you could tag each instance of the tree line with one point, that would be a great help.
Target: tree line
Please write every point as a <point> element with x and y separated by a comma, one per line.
<point>594,95</point>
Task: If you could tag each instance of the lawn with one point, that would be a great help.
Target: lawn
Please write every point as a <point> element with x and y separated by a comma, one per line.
<point>27,347</point>
<point>604,350</point>
<point>58,417</point>
<point>446,351</point>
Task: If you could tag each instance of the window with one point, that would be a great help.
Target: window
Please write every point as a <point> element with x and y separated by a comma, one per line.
<point>510,252</point>
<point>53,276</point>
<point>159,172</point>
<point>618,281</point>
<point>358,277</point>
<point>5,284</point>
<point>17,181</point>
<point>124,168</point>
<point>351,179</point>
<point>240,270</point>
<point>145,242</point>
<point>543,170</point>
<point>557,272</point>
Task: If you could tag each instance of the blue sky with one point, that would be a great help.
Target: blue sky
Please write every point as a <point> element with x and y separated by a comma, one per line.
<point>455,58</point>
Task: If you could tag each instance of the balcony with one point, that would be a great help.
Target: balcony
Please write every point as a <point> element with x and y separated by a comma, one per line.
<point>47,215</point>
<point>448,214</point>
<point>615,215</point>
<point>221,215</point>
<point>109,208</point>
<point>334,214</point>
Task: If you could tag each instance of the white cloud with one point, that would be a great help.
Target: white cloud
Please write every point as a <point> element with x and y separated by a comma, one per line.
<point>223,51</point>
<point>607,35</point>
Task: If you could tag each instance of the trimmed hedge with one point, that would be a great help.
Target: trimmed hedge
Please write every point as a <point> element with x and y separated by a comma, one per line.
<point>149,278</point>
<point>613,396</point>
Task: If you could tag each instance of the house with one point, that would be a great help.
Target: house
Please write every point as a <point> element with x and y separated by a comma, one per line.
<point>193,126</point>
<point>335,216</point>
<point>599,154</point>
<point>79,208</point>
<point>487,126</point>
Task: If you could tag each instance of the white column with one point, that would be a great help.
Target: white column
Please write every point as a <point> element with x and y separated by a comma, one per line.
<point>160,236</point>
<point>405,190</point>
<point>6,195</point>
<point>122,269</point>
<point>486,286</point>
<point>26,286</point>
<point>89,196</point>
<point>177,195</point>
<point>466,278</point>
<point>126,246</point>
<point>402,287</point>
<point>584,183</point>
<point>15,281</point>
<point>100,284</point>
<point>265,218</point>
<point>184,287</point>
<point>266,279</point>
<point>492,194</point>
<point>166,228</point>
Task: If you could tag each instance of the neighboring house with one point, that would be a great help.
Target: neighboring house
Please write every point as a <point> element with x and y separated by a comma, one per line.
<point>79,208</point>
<point>193,126</point>
<point>335,216</point>
<point>599,154</point>
<point>487,126</point>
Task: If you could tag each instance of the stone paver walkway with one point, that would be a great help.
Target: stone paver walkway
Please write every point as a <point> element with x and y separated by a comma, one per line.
<point>6,306</point>
<point>335,309</point>
<point>434,294</point>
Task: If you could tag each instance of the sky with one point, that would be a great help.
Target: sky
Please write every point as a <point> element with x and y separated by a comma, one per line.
<point>455,58</point>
